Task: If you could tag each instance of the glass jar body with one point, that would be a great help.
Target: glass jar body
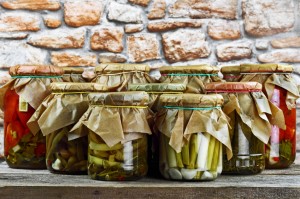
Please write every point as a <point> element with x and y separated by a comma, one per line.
<point>248,150</point>
<point>123,161</point>
<point>66,157</point>
<point>22,149</point>
<point>199,160</point>
<point>281,149</point>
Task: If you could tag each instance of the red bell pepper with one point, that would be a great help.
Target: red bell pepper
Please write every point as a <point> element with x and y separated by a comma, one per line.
<point>13,134</point>
<point>11,102</point>
<point>25,116</point>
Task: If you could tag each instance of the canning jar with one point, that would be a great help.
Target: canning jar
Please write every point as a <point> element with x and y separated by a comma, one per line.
<point>117,139</point>
<point>20,98</point>
<point>282,93</point>
<point>66,153</point>
<point>247,107</point>
<point>155,90</point>
<point>117,76</point>
<point>193,129</point>
<point>194,77</point>
<point>73,74</point>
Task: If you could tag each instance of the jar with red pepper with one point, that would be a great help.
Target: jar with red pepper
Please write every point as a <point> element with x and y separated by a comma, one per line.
<point>282,92</point>
<point>19,99</point>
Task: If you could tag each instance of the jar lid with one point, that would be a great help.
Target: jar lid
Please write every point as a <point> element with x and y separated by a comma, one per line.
<point>192,100</point>
<point>73,70</point>
<point>77,87</point>
<point>114,68</point>
<point>206,69</point>
<point>35,70</point>
<point>257,68</point>
<point>223,87</point>
<point>129,98</point>
<point>157,87</point>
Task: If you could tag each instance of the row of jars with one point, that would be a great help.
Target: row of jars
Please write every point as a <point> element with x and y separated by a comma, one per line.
<point>200,124</point>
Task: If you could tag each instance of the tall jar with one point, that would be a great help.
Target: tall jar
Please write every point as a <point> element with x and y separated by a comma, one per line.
<point>19,99</point>
<point>155,90</point>
<point>247,107</point>
<point>73,74</point>
<point>194,77</point>
<point>193,129</point>
<point>117,76</point>
<point>66,153</point>
<point>282,93</point>
<point>117,140</point>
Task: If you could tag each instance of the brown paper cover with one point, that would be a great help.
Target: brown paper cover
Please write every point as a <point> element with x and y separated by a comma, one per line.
<point>77,87</point>
<point>233,87</point>
<point>111,68</point>
<point>113,115</point>
<point>37,70</point>
<point>179,124</point>
<point>205,69</point>
<point>72,74</point>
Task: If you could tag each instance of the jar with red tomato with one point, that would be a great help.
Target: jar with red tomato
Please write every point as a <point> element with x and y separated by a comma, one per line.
<point>19,99</point>
<point>282,93</point>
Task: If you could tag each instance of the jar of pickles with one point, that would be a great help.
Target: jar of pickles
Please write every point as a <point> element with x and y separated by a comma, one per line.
<point>155,90</point>
<point>117,139</point>
<point>282,93</point>
<point>194,77</point>
<point>66,153</point>
<point>19,99</point>
<point>247,107</point>
<point>117,76</point>
<point>193,129</point>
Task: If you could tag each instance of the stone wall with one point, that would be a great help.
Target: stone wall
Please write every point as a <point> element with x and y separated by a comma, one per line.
<point>157,32</point>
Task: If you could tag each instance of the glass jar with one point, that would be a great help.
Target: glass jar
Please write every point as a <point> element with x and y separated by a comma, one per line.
<point>155,90</point>
<point>193,129</point>
<point>117,140</point>
<point>194,77</point>
<point>247,107</point>
<point>59,112</point>
<point>20,97</point>
<point>117,76</point>
<point>282,92</point>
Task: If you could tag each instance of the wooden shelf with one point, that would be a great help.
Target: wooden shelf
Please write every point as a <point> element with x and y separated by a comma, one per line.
<point>31,184</point>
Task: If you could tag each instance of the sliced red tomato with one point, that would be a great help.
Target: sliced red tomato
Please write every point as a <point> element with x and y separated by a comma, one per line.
<point>11,102</point>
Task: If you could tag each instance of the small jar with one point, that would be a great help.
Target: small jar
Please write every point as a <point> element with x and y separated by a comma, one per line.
<point>117,76</point>
<point>282,92</point>
<point>60,111</point>
<point>247,107</point>
<point>155,90</point>
<point>194,77</point>
<point>117,139</point>
<point>22,96</point>
<point>193,130</point>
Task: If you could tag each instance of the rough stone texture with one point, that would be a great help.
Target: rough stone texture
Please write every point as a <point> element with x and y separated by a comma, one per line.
<point>52,22</point>
<point>59,38</point>
<point>221,29</point>
<point>287,42</point>
<point>204,9</point>
<point>162,26</point>
<point>133,28</point>
<point>112,58</point>
<point>82,13</point>
<point>73,59</point>
<point>270,17</point>
<point>19,21</point>
<point>124,13</point>
<point>14,53</point>
<point>13,35</point>
<point>142,47</point>
<point>234,51</point>
<point>158,10</point>
<point>261,44</point>
<point>140,2</point>
<point>31,4</point>
<point>108,38</point>
<point>4,78</point>
<point>185,45</point>
<point>283,55</point>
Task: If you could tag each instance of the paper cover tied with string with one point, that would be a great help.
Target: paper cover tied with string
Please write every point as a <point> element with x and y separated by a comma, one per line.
<point>193,130</point>
<point>117,76</point>
<point>118,128</point>
<point>19,98</point>
<point>194,77</point>
<point>247,108</point>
